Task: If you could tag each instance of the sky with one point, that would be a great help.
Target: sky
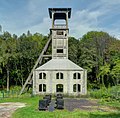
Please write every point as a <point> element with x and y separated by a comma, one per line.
<point>19,16</point>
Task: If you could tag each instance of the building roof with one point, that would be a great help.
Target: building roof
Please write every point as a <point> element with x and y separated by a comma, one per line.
<point>59,12</point>
<point>59,64</point>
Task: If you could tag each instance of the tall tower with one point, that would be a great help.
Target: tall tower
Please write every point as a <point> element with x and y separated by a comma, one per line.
<point>58,74</point>
<point>59,32</point>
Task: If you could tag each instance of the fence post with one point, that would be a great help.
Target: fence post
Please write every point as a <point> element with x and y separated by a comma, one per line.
<point>3,94</point>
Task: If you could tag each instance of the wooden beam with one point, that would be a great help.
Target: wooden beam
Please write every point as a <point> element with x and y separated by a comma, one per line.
<point>39,61</point>
<point>47,56</point>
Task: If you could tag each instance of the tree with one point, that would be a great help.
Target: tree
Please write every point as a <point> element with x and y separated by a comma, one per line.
<point>95,50</point>
<point>115,72</point>
<point>73,49</point>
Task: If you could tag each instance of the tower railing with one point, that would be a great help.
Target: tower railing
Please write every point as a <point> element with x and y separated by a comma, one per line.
<point>60,26</point>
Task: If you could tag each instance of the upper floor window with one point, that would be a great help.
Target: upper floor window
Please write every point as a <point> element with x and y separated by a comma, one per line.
<point>76,76</point>
<point>59,75</point>
<point>59,50</point>
<point>60,32</point>
<point>42,75</point>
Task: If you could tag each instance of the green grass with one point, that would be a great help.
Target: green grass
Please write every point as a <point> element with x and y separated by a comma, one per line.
<point>31,110</point>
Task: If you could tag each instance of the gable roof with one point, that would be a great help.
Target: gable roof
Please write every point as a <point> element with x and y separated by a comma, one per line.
<point>59,64</point>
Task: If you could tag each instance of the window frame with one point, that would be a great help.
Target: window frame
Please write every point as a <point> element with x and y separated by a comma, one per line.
<point>60,51</point>
<point>77,75</point>
<point>42,75</point>
<point>76,88</point>
<point>59,75</point>
<point>42,87</point>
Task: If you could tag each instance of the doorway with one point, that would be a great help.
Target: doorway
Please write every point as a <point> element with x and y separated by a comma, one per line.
<point>59,88</point>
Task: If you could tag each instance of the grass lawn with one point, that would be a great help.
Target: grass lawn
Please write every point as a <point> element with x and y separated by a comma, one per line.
<point>31,110</point>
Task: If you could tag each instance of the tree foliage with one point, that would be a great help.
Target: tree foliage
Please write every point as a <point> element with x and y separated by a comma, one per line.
<point>97,52</point>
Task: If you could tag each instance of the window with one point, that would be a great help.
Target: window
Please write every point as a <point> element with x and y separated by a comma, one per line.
<point>42,88</point>
<point>76,76</point>
<point>42,75</point>
<point>59,32</point>
<point>59,75</point>
<point>76,88</point>
<point>59,50</point>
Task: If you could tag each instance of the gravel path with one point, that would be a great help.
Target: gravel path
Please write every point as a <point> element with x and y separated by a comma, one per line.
<point>82,104</point>
<point>85,104</point>
<point>6,109</point>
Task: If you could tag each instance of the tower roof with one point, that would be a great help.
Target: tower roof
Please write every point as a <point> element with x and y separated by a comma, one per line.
<point>60,64</point>
<point>60,12</point>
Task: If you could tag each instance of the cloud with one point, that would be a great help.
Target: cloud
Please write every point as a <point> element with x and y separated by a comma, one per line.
<point>83,21</point>
<point>42,27</point>
<point>99,16</point>
<point>86,16</point>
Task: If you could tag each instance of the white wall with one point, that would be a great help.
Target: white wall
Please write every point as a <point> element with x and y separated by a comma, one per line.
<point>67,82</point>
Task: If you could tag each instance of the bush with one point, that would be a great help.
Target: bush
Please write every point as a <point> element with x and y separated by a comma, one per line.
<point>108,94</point>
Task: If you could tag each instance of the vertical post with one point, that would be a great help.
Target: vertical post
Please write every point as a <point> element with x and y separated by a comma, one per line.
<point>67,33</point>
<point>52,19</point>
<point>85,81</point>
<point>34,83</point>
<point>7,80</point>
<point>66,19</point>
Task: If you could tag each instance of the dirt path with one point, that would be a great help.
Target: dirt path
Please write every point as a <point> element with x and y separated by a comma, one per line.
<point>6,109</point>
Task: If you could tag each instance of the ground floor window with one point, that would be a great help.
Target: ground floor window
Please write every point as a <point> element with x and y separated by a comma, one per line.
<point>76,88</point>
<point>42,88</point>
<point>59,88</point>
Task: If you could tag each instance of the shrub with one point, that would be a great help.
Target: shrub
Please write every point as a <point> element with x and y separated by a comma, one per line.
<point>108,94</point>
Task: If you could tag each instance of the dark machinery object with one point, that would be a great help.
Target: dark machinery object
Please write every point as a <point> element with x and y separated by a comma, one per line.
<point>60,104</point>
<point>43,104</point>
<point>48,97</point>
<point>59,96</point>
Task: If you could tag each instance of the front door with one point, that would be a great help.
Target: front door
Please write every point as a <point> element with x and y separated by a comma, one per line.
<point>59,88</point>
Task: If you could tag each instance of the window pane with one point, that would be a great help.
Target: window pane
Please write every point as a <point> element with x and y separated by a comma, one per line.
<point>61,75</point>
<point>79,76</point>
<point>40,87</point>
<point>74,76</point>
<point>57,76</point>
<point>44,76</point>
<point>79,87</point>
<point>74,88</point>
<point>40,75</point>
<point>44,88</point>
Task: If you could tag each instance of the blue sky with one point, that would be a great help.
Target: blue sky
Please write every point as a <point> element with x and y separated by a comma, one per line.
<point>19,16</point>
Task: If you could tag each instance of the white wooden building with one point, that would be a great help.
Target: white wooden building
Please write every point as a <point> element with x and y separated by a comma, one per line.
<point>60,75</point>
